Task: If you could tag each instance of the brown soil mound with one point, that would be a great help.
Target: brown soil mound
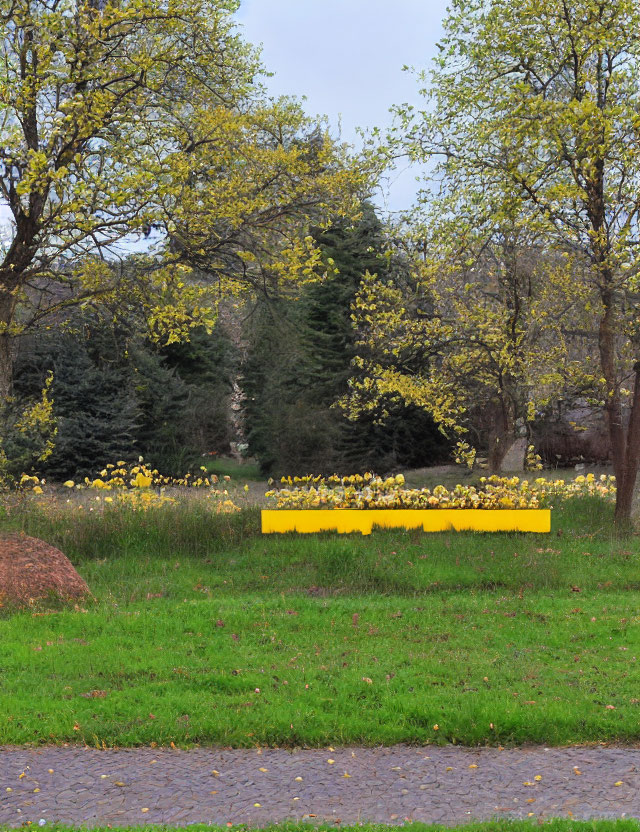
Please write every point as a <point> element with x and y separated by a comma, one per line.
<point>32,570</point>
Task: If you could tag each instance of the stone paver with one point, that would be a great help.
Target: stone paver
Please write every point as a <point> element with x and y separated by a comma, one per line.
<point>259,786</point>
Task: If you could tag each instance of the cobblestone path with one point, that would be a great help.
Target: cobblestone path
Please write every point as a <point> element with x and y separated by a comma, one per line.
<point>345,785</point>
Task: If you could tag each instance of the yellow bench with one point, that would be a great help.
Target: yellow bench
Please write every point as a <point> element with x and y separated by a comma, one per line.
<point>305,521</point>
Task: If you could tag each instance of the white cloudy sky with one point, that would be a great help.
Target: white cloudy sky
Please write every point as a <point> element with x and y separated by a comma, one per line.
<point>346,57</point>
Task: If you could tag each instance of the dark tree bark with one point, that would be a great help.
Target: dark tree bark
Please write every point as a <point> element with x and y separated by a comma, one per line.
<point>7,343</point>
<point>628,473</point>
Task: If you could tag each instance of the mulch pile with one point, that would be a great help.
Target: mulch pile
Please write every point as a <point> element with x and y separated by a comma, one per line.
<point>32,570</point>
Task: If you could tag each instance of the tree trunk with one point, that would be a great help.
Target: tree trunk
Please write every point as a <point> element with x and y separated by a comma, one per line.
<point>631,460</point>
<point>7,345</point>
<point>6,367</point>
<point>625,441</point>
<point>501,437</point>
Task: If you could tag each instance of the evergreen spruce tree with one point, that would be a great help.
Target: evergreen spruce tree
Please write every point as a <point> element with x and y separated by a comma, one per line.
<point>94,401</point>
<point>118,396</point>
<point>298,368</point>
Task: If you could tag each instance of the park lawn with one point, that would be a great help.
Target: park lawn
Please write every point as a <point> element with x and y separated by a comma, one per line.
<point>202,631</point>
<point>229,467</point>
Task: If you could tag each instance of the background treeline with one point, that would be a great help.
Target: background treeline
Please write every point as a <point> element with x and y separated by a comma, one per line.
<point>267,378</point>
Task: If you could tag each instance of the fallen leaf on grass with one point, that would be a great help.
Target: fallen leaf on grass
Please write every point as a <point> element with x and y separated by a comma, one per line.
<point>94,694</point>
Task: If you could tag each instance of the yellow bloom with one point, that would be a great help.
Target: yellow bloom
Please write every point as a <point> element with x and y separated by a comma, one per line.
<point>141,481</point>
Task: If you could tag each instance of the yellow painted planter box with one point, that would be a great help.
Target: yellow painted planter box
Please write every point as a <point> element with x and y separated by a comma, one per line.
<point>306,521</point>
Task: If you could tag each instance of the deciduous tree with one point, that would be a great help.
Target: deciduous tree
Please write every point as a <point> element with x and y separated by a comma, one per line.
<point>119,117</point>
<point>544,97</point>
<point>470,332</point>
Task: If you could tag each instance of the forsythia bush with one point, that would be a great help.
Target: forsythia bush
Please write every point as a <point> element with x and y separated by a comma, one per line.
<point>370,491</point>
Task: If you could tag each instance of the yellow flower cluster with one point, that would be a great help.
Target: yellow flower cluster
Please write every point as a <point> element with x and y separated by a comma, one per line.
<point>121,475</point>
<point>368,491</point>
<point>140,487</point>
<point>34,483</point>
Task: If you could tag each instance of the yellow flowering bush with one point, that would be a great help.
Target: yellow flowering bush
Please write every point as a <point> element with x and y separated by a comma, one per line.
<point>368,491</point>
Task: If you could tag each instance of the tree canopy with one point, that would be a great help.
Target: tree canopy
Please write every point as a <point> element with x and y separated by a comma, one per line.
<point>122,117</point>
<point>540,98</point>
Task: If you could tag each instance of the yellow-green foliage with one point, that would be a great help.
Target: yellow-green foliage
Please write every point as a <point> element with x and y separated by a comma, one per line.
<point>369,491</point>
<point>144,114</point>
<point>29,437</point>
<point>38,420</point>
<point>533,113</point>
<point>462,338</point>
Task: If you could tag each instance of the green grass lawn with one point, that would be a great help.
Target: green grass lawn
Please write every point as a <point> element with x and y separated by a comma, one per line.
<point>202,631</point>
<point>227,466</point>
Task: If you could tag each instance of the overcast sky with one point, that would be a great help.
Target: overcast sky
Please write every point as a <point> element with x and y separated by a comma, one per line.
<point>346,57</point>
